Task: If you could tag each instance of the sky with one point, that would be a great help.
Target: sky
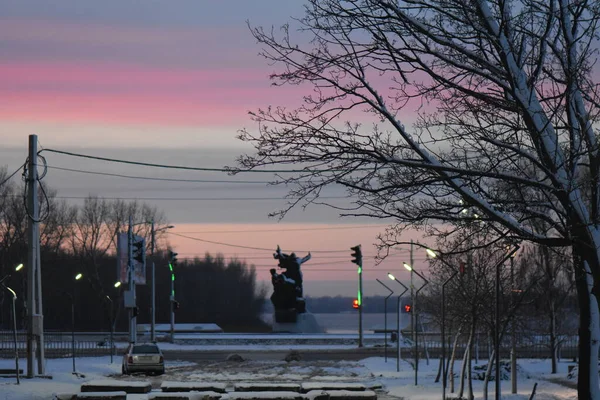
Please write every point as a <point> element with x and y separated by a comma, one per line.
<point>169,82</point>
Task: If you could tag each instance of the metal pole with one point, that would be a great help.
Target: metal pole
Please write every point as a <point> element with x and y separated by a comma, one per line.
<point>385,328</point>
<point>73,329</point>
<point>398,335</point>
<point>153,306</point>
<point>398,321</point>
<point>31,252</point>
<point>132,322</point>
<point>413,314</point>
<point>110,321</point>
<point>513,340</point>
<point>444,340</point>
<point>444,384</point>
<point>360,308</point>
<point>497,333</point>
<point>385,317</point>
<point>14,312</point>
<point>172,304</point>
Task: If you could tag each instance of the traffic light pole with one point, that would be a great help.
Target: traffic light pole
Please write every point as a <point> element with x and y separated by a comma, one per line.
<point>132,317</point>
<point>153,304</point>
<point>357,259</point>
<point>172,304</point>
<point>360,308</point>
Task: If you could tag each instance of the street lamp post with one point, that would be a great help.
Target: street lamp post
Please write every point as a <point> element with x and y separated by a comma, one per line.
<point>14,318</point>
<point>112,326</point>
<point>433,254</point>
<point>77,277</point>
<point>392,277</point>
<point>416,318</point>
<point>385,317</point>
<point>110,321</point>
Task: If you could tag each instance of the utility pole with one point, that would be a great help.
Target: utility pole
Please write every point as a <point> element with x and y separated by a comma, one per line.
<point>35,325</point>
<point>153,305</point>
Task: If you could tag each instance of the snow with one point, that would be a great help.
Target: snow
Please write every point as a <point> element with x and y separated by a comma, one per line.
<point>369,372</point>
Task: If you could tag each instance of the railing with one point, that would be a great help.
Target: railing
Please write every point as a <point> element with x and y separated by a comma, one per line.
<point>56,345</point>
<point>527,346</point>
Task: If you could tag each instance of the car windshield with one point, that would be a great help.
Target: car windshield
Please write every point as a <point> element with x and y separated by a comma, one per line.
<point>145,349</point>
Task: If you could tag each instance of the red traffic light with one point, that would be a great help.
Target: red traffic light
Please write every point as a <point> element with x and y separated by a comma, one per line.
<point>355,303</point>
<point>407,308</point>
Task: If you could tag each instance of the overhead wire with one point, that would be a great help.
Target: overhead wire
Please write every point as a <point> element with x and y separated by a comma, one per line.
<point>192,198</point>
<point>110,174</point>
<point>8,178</point>
<point>170,166</point>
<point>250,247</point>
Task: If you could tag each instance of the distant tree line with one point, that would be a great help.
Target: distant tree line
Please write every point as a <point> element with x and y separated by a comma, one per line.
<point>81,239</point>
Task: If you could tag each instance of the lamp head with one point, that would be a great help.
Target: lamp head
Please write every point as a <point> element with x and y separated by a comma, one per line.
<point>78,276</point>
<point>392,277</point>
<point>19,267</point>
<point>408,267</point>
<point>431,253</point>
<point>117,284</point>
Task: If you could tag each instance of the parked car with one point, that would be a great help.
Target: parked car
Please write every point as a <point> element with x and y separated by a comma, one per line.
<point>145,357</point>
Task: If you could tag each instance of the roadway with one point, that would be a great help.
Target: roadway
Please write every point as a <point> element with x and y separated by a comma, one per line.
<point>277,355</point>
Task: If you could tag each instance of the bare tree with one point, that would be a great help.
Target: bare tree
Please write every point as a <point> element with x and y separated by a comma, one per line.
<point>554,271</point>
<point>507,97</point>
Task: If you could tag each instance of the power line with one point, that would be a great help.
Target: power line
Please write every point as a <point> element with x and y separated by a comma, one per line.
<point>195,198</point>
<point>291,229</point>
<point>146,164</point>
<point>109,174</point>
<point>252,248</point>
<point>11,175</point>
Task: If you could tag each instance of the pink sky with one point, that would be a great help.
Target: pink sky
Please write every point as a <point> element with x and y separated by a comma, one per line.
<point>89,75</point>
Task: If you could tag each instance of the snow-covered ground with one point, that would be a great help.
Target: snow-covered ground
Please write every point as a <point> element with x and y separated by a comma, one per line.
<point>371,371</point>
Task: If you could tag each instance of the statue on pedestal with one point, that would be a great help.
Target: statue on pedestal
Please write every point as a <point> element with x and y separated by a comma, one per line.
<point>287,297</point>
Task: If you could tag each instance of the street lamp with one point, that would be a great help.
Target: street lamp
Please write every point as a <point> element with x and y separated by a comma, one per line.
<point>117,284</point>
<point>392,277</point>
<point>14,316</point>
<point>19,267</point>
<point>153,305</point>
<point>78,276</point>
<point>433,254</point>
<point>385,317</point>
<point>416,318</point>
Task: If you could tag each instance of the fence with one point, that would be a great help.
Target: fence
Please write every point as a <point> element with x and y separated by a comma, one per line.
<point>527,346</point>
<point>56,345</point>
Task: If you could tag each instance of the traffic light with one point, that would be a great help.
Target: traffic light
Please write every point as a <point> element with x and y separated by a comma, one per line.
<point>355,303</point>
<point>139,251</point>
<point>172,257</point>
<point>175,305</point>
<point>356,255</point>
<point>408,308</point>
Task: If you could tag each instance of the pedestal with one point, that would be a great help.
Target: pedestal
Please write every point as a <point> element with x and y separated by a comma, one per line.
<point>305,323</point>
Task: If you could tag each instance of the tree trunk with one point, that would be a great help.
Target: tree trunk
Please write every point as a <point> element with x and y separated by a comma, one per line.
<point>439,371</point>
<point>463,369</point>
<point>587,382</point>
<point>488,374</point>
<point>553,341</point>
<point>466,365</point>
<point>452,358</point>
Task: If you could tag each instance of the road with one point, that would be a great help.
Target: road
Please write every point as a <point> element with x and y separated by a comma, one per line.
<point>277,355</point>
